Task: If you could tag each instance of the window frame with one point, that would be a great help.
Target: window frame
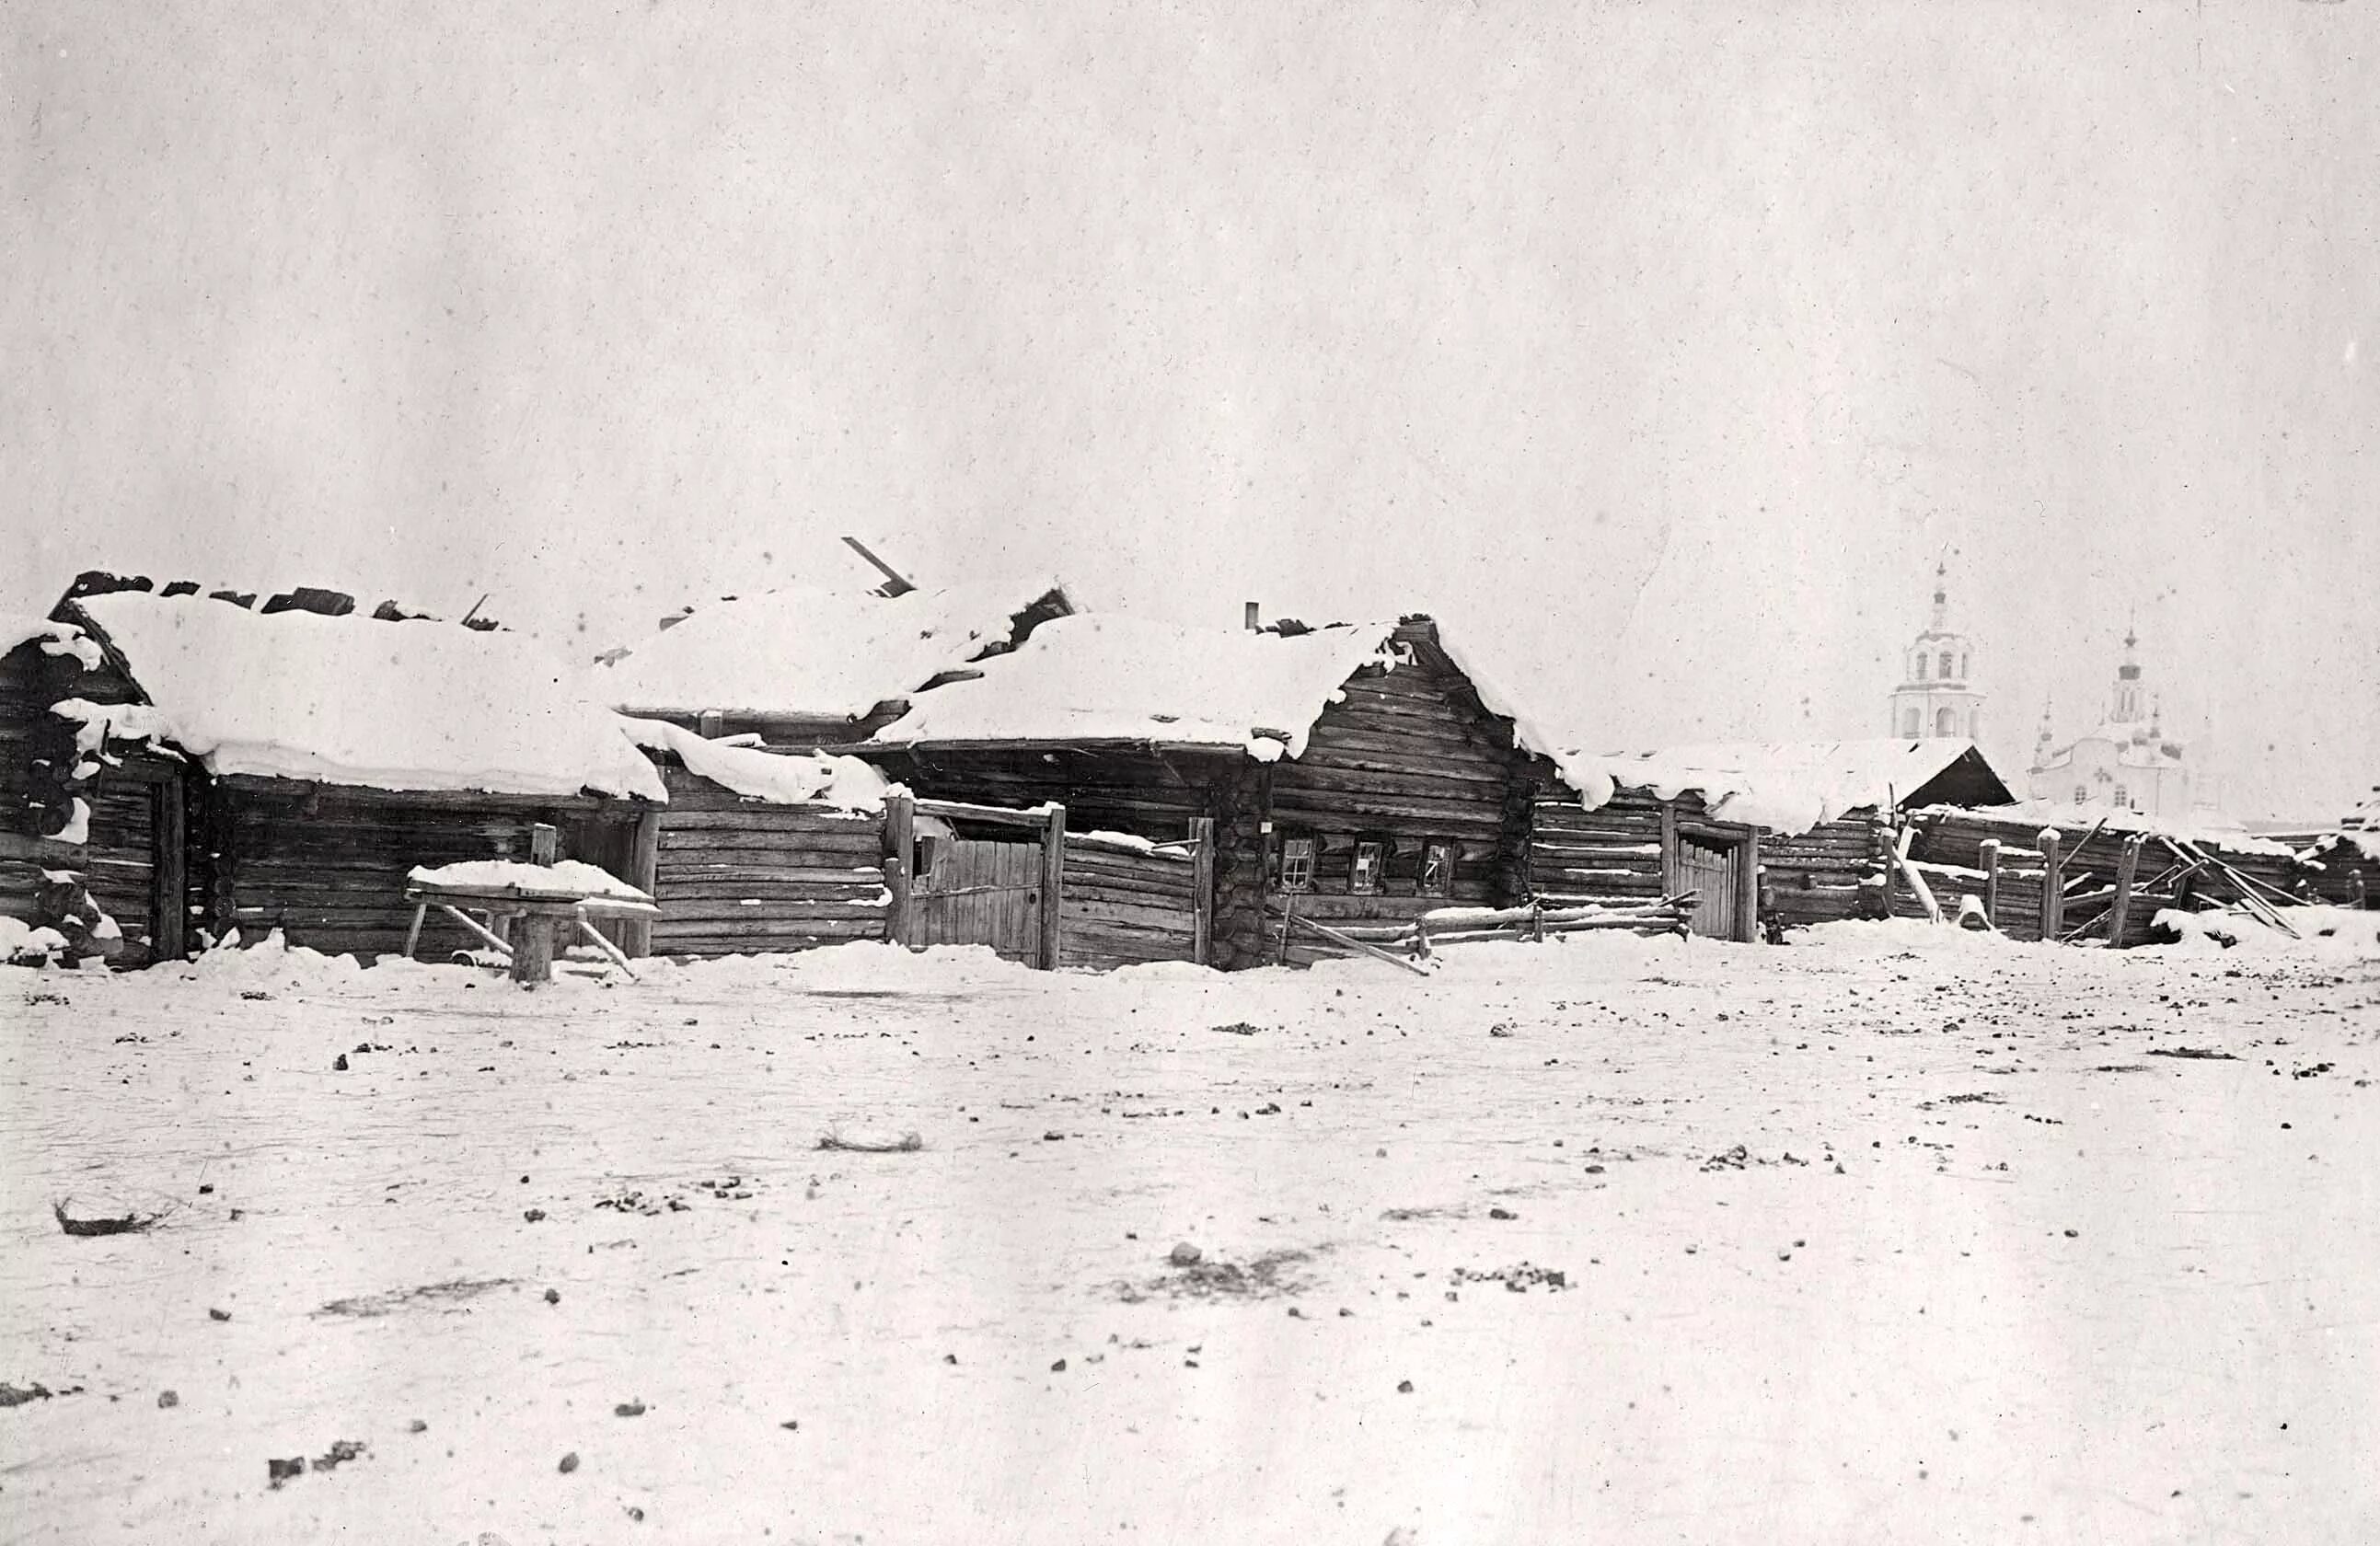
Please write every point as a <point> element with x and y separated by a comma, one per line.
<point>1444,849</point>
<point>1312,845</point>
<point>1378,848</point>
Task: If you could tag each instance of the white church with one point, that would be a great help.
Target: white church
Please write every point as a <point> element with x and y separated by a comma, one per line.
<point>2126,762</point>
<point>1935,700</point>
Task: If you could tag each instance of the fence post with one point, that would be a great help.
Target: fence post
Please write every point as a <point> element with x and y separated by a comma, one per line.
<point>899,856</point>
<point>644,874</point>
<point>1747,889</point>
<point>2053,886</point>
<point>2128,863</point>
<point>1202,890</point>
<point>1053,888</point>
<point>1990,848</point>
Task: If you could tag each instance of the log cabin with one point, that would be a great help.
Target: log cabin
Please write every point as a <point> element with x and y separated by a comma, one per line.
<point>1354,774</point>
<point>803,666</point>
<point>232,767</point>
<point>1766,836</point>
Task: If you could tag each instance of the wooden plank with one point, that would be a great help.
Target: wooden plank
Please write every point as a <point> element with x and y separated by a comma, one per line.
<point>1000,815</point>
<point>1053,889</point>
<point>1202,833</point>
<point>901,849</point>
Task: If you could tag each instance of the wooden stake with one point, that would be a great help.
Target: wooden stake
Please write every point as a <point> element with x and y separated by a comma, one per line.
<point>2128,863</point>
<point>533,933</point>
<point>2053,886</point>
<point>1990,850</point>
<point>900,863</point>
<point>1053,889</point>
<point>1202,890</point>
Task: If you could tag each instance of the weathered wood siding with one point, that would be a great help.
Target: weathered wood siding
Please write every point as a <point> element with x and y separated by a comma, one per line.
<point>1609,854</point>
<point>1123,903</point>
<point>737,875</point>
<point>328,867</point>
<point>1408,756</point>
<point>1832,871</point>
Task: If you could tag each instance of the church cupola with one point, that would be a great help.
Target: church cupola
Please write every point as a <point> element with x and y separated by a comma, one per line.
<point>1934,697</point>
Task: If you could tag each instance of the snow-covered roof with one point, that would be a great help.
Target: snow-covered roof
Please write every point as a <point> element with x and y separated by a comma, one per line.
<point>808,651</point>
<point>17,629</point>
<point>354,701</point>
<point>1786,786</point>
<point>1104,676</point>
<point>565,880</point>
<point>2074,821</point>
<point>780,778</point>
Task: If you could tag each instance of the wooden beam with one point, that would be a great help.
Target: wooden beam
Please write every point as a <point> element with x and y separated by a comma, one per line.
<point>1747,889</point>
<point>896,582</point>
<point>644,874</point>
<point>998,816</point>
<point>2128,863</point>
<point>2053,884</point>
<point>43,850</point>
<point>1672,865</point>
<point>533,936</point>
<point>170,932</point>
<point>900,858</point>
<point>1990,850</point>
<point>1053,889</point>
<point>1202,889</point>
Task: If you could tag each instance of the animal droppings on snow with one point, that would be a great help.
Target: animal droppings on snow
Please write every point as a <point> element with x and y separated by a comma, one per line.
<point>569,1463</point>
<point>629,1409</point>
<point>1184,1255</point>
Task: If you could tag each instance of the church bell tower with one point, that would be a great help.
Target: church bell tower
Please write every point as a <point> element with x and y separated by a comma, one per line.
<point>1936,698</point>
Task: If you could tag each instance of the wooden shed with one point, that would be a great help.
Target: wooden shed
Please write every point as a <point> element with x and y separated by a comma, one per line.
<point>282,768</point>
<point>1765,834</point>
<point>1352,774</point>
<point>802,666</point>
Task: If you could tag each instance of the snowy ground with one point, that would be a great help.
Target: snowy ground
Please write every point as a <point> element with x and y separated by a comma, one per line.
<point>1857,1244</point>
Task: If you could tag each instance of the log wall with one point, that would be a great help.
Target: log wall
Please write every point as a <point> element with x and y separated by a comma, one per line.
<point>328,867</point>
<point>1124,904</point>
<point>1407,757</point>
<point>1611,854</point>
<point>1830,873</point>
<point>736,875</point>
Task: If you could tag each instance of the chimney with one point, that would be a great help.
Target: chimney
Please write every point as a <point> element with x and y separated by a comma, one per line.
<point>1253,617</point>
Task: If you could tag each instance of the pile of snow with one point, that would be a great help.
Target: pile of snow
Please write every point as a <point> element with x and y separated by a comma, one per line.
<point>845,783</point>
<point>1108,677</point>
<point>2360,843</point>
<point>802,650</point>
<point>354,701</point>
<point>2334,934</point>
<point>568,880</point>
<point>1863,937</point>
<point>1787,787</point>
<point>17,629</point>
<point>23,944</point>
<point>2075,821</point>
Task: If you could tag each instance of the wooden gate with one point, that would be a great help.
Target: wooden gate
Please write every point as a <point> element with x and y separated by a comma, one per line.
<point>951,889</point>
<point>971,891</point>
<point>1714,872</point>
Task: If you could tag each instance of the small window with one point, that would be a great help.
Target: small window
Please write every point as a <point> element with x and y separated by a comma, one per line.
<point>2123,797</point>
<point>1297,865</point>
<point>2081,794</point>
<point>1364,874</point>
<point>1921,667</point>
<point>1437,869</point>
<point>1945,672</point>
<point>1946,723</point>
<point>1962,664</point>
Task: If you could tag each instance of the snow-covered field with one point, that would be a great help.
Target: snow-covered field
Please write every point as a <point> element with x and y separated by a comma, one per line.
<point>1855,1242</point>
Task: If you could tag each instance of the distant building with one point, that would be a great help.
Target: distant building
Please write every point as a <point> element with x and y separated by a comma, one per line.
<point>2126,762</point>
<point>1936,698</point>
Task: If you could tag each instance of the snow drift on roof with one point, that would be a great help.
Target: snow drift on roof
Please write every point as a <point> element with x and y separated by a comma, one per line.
<point>802,650</point>
<point>845,783</point>
<point>1108,677</point>
<point>565,880</point>
<point>57,638</point>
<point>1786,786</point>
<point>349,700</point>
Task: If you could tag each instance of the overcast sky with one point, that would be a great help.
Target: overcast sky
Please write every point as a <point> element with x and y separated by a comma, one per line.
<point>1661,350</point>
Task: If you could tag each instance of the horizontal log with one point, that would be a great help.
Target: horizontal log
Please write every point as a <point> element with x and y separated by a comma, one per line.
<point>668,936</point>
<point>1340,810</point>
<point>774,911</point>
<point>679,869</point>
<point>809,850</point>
<point>1107,910</point>
<point>765,891</point>
<point>758,817</point>
<point>1486,798</point>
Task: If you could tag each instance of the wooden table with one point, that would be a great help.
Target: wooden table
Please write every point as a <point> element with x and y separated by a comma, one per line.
<point>539,914</point>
